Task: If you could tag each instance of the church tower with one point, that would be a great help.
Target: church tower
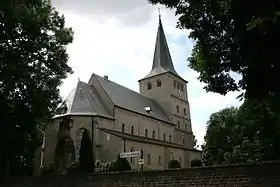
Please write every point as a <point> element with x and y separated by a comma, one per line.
<point>166,87</point>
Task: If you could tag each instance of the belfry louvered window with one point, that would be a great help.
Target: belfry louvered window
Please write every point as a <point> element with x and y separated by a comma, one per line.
<point>158,83</point>
<point>149,85</point>
<point>132,130</point>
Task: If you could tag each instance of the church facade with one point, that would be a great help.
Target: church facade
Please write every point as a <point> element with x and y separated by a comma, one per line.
<point>156,120</point>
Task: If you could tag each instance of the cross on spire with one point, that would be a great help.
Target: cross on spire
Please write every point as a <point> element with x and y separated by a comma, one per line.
<point>159,14</point>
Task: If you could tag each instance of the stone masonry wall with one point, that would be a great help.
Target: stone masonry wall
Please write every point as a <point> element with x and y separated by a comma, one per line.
<point>260,175</point>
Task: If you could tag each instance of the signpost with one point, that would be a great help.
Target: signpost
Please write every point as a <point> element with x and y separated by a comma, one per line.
<point>141,161</point>
<point>130,154</point>
<point>135,154</point>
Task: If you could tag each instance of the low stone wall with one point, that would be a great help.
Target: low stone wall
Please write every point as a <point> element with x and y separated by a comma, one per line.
<point>260,175</point>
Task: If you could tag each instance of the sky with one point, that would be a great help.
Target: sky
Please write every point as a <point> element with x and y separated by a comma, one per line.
<point>117,38</point>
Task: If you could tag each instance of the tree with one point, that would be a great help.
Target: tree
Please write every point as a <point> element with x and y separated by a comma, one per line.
<point>258,130</point>
<point>196,163</point>
<point>248,134</point>
<point>33,40</point>
<point>86,154</point>
<point>233,36</point>
<point>219,136</point>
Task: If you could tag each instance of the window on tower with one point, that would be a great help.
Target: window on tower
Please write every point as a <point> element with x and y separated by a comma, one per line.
<point>182,87</point>
<point>154,134</point>
<point>132,130</point>
<point>123,127</point>
<point>146,133</point>
<point>177,109</point>
<point>185,112</point>
<point>175,83</point>
<point>158,83</point>
<point>149,85</point>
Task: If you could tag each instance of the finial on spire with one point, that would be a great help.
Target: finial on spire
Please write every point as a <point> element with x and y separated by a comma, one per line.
<point>159,15</point>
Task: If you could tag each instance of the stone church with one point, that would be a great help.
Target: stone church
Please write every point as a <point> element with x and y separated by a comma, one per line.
<point>156,120</point>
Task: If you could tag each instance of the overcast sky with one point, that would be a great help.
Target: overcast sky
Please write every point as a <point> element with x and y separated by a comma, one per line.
<point>117,38</point>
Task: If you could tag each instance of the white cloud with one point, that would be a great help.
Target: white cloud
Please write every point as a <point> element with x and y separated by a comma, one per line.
<point>119,45</point>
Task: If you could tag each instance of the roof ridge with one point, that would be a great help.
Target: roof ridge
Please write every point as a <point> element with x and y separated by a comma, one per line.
<point>70,105</point>
<point>95,76</point>
<point>124,87</point>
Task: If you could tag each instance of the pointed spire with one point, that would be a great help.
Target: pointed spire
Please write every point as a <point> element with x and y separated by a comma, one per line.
<point>162,61</point>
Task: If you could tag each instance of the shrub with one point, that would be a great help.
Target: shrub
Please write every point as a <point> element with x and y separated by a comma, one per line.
<point>104,166</point>
<point>47,169</point>
<point>196,163</point>
<point>174,164</point>
<point>73,168</point>
<point>86,155</point>
<point>121,164</point>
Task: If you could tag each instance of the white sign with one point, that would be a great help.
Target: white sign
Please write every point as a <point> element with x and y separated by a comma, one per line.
<point>130,154</point>
<point>141,161</point>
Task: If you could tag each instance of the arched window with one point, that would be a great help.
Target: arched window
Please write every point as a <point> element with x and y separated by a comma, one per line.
<point>164,137</point>
<point>170,138</point>
<point>175,83</point>
<point>158,83</point>
<point>154,135</point>
<point>149,159</point>
<point>123,127</point>
<point>132,130</point>
<point>186,127</point>
<point>182,87</point>
<point>149,85</point>
<point>177,109</point>
<point>185,111</point>
<point>183,141</point>
<point>146,133</point>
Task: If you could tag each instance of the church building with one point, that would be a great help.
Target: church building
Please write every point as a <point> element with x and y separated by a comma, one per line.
<point>156,120</point>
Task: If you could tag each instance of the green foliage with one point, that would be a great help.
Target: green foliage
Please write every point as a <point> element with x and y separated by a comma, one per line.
<point>233,36</point>
<point>121,164</point>
<point>74,168</point>
<point>86,154</point>
<point>196,163</point>
<point>104,166</point>
<point>33,40</point>
<point>46,170</point>
<point>246,135</point>
<point>174,164</point>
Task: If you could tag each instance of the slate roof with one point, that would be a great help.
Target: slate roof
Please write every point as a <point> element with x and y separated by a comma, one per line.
<point>162,61</point>
<point>131,100</point>
<point>84,100</point>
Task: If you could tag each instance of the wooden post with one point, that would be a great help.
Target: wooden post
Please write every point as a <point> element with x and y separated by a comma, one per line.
<point>142,165</point>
